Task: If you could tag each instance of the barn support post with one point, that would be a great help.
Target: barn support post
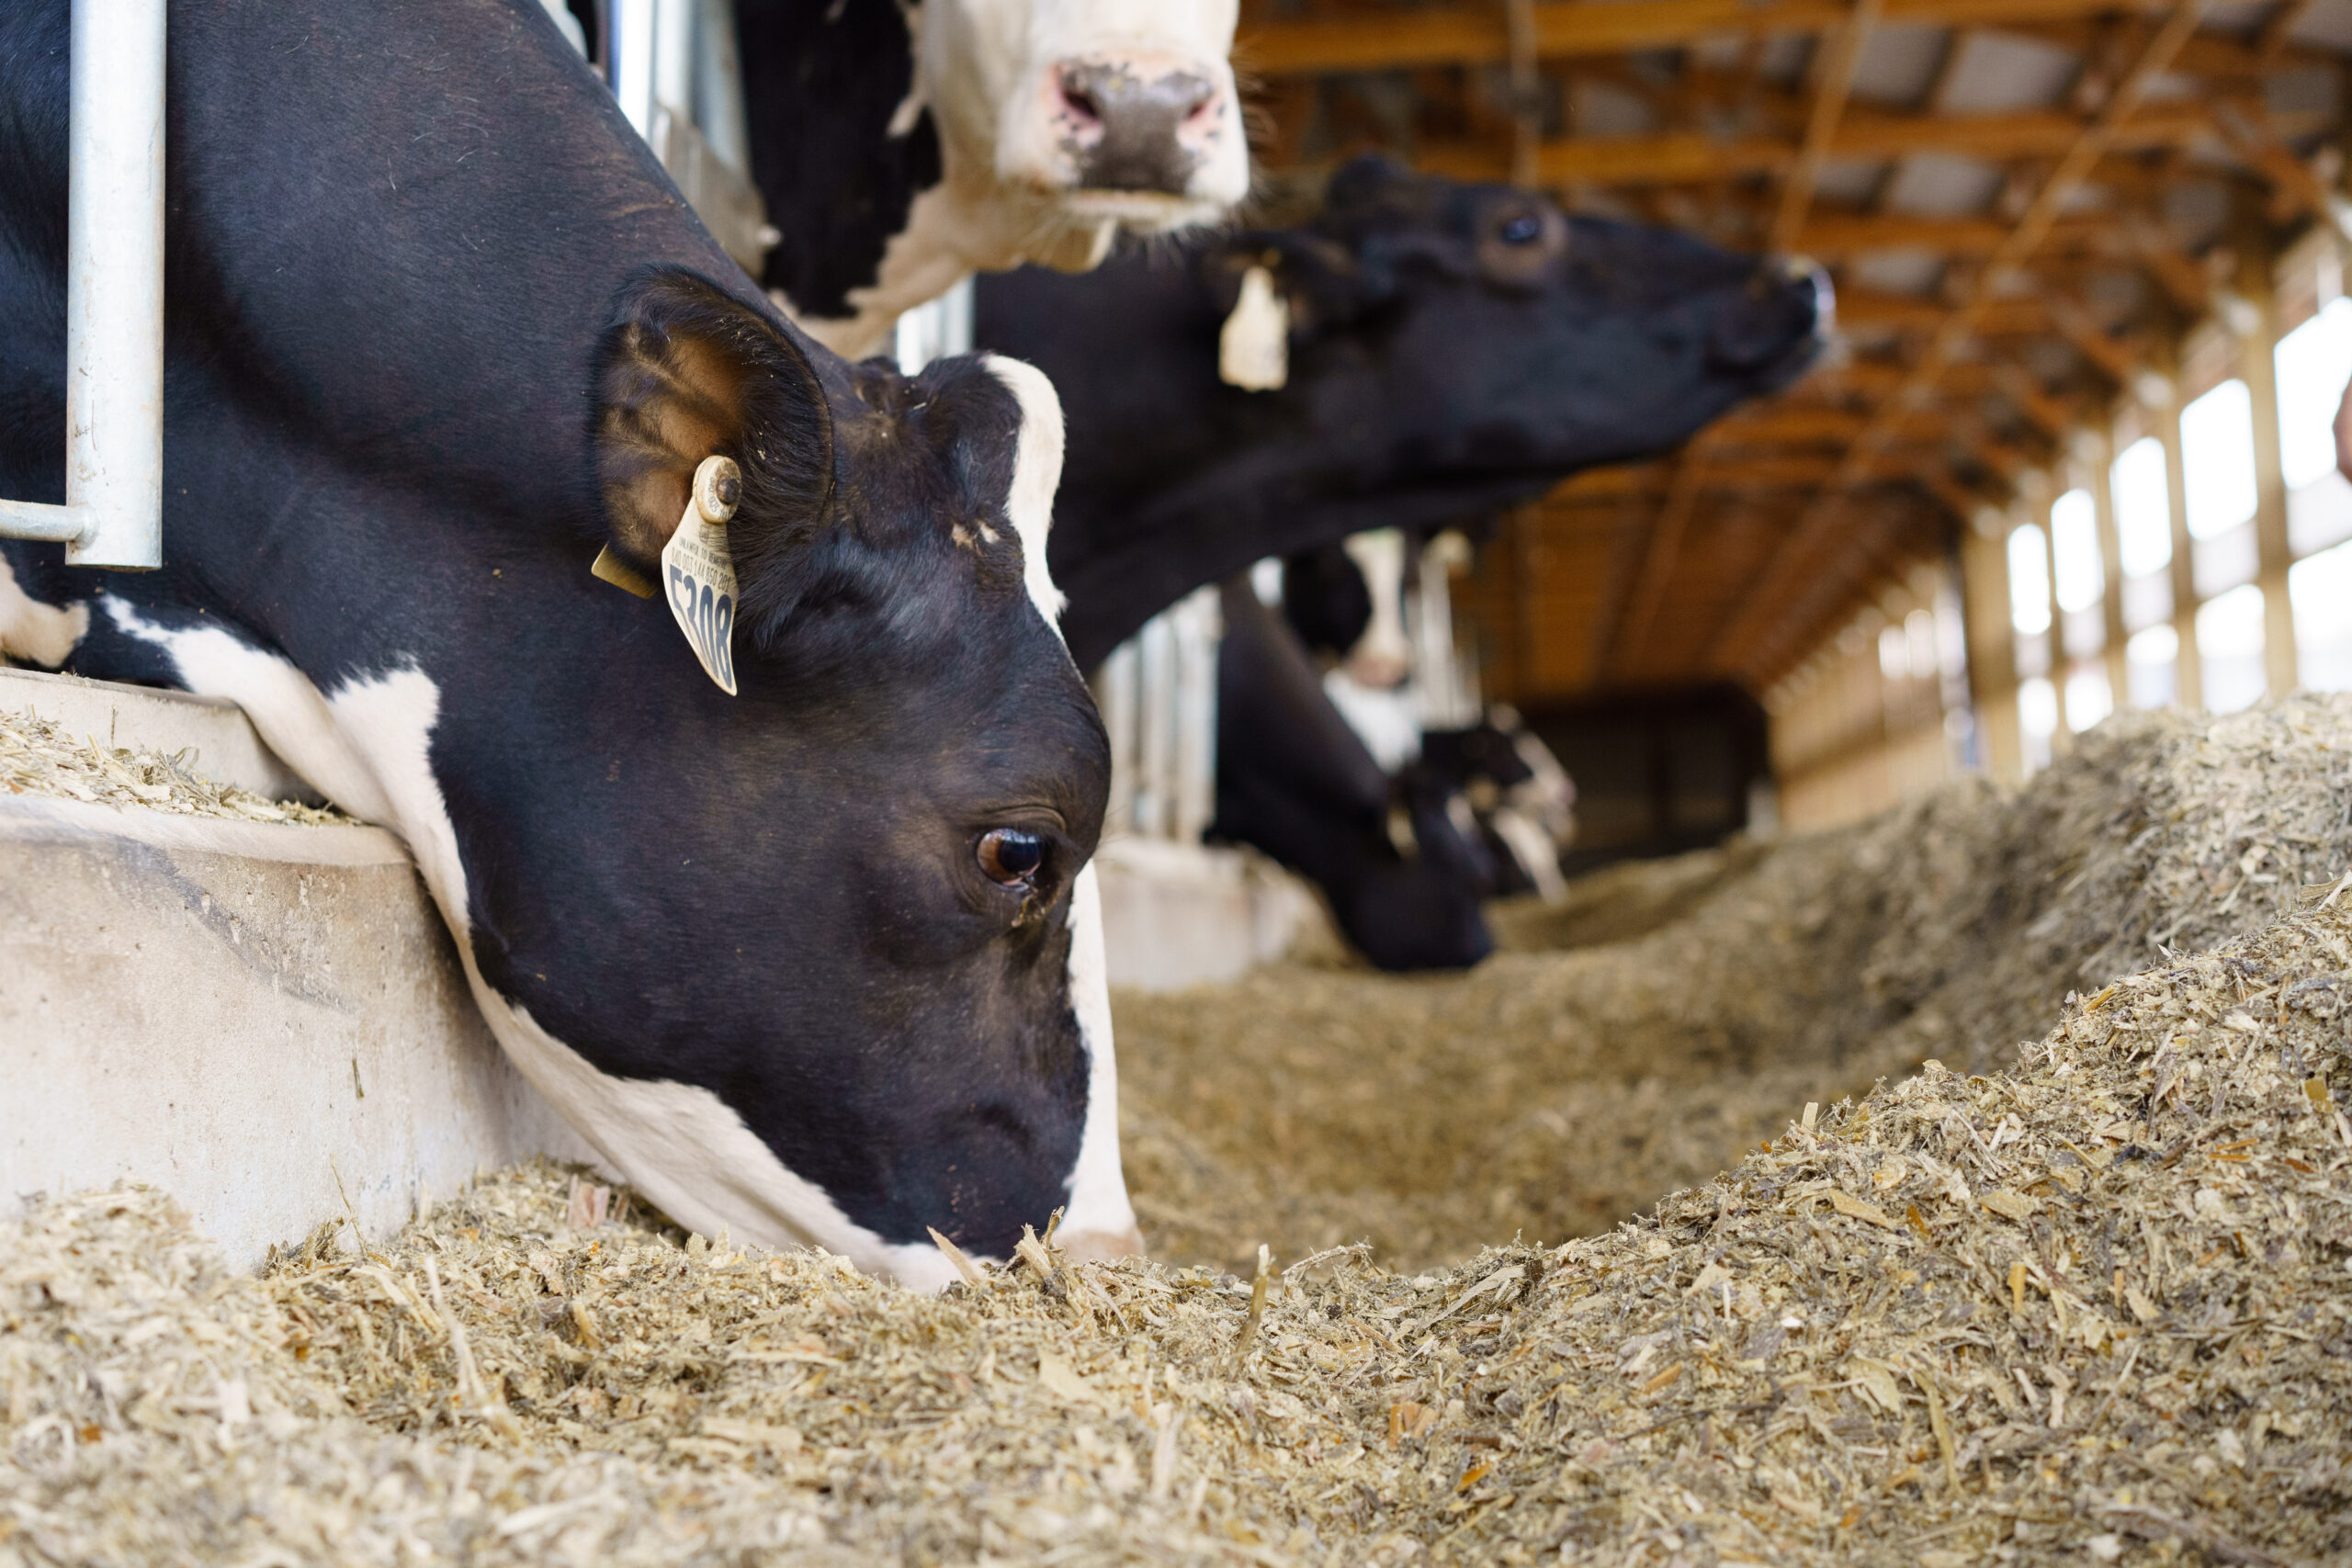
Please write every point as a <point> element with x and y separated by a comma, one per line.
<point>2188,670</point>
<point>2259,364</point>
<point>1992,646</point>
<point>2045,503</point>
<point>2096,451</point>
<point>113,514</point>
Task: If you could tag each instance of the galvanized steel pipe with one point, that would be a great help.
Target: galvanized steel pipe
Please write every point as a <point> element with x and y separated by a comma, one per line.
<point>114,296</point>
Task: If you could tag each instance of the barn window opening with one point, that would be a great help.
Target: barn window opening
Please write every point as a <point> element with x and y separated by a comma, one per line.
<point>2151,664</point>
<point>2143,508</point>
<point>2229,648</point>
<point>2320,591</point>
<point>2217,460</point>
<point>2089,697</point>
<point>2314,361</point>
<point>1893,654</point>
<point>2037,720</point>
<point>1920,650</point>
<point>2029,580</point>
<point>2074,538</point>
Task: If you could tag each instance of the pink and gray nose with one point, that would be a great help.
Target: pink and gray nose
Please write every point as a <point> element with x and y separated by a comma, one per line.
<point>1133,124</point>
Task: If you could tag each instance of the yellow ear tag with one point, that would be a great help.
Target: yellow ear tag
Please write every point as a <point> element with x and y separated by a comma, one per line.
<point>698,570</point>
<point>609,568</point>
<point>1253,349</point>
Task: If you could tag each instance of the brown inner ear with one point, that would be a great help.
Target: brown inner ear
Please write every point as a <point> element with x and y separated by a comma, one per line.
<point>673,401</point>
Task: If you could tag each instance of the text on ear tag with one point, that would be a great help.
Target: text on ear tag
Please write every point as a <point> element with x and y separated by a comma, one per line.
<point>1253,348</point>
<point>699,570</point>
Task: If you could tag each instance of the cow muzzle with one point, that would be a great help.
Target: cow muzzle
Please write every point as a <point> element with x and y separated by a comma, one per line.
<point>1137,123</point>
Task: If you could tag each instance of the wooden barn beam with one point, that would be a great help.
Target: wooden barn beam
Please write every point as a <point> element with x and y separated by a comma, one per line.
<point>1829,94</point>
<point>1734,645</point>
<point>1887,544</point>
<point>2000,318</point>
<point>1693,158</point>
<point>1661,553</point>
<point>1567,28</point>
<point>2300,193</point>
<point>2115,360</point>
<point>2279,29</point>
<point>1838,237</point>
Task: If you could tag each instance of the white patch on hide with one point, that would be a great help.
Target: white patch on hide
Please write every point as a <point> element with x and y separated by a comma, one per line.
<point>1037,474</point>
<point>1098,1206</point>
<point>368,749</point>
<point>44,634</point>
<point>1384,655</point>
<point>286,711</point>
<point>688,1150</point>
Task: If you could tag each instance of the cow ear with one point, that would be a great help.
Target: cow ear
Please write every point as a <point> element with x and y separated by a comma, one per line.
<point>1317,278</point>
<point>683,371</point>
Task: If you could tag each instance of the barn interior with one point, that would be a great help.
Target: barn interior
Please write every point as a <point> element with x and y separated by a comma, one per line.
<point>1910,1134</point>
<point>2072,455</point>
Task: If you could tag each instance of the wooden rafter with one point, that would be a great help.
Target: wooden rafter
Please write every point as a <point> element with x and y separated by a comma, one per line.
<point>1829,94</point>
<point>1567,29</point>
<point>1735,645</point>
<point>1693,157</point>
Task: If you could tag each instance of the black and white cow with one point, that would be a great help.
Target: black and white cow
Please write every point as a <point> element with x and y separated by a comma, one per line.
<point>900,146</point>
<point>1401,879</point>
<point>1521,800</point>
<point>820,961</point>
<point>1453,349</point>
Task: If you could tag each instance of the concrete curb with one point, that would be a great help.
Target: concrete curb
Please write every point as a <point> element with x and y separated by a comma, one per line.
<point>268,1019</point>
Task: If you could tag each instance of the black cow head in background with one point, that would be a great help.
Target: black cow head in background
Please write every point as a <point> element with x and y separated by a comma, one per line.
<point>1454,349</point>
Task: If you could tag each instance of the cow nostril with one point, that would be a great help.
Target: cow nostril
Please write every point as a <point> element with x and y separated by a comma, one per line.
<point>1082,106</point>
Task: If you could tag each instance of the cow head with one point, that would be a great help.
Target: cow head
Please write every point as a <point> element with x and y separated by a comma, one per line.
<point>1088,115</point>
<point>898,986</point>
<point>1486,332</point>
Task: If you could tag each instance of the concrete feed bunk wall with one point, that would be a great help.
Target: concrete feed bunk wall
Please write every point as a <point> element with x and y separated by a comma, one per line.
<point>267,1020</point>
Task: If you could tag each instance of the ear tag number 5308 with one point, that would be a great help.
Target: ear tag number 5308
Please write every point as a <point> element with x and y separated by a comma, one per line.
<point>698,570</point>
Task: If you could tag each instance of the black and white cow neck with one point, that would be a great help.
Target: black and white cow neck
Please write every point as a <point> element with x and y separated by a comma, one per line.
<point>744,943</point>
<point>822,82</point>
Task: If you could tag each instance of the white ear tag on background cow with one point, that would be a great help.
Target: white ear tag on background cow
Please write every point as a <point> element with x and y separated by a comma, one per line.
<point>1253,349</point>
<point>699,570</point>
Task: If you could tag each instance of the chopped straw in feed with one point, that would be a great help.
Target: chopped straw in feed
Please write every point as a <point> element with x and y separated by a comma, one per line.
<point>2086,1300</point>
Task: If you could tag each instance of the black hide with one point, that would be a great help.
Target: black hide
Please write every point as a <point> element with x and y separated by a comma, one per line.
<point>1326,599</point>
<point>821,80</point>
<point>1454,349</point>
<point>415,252</point>
<point>1293,780</point>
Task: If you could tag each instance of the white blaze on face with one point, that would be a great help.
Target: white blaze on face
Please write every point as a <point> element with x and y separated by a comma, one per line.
<point>1037,474</point>
<point>1009,83</point>
<point>1100,1221</point>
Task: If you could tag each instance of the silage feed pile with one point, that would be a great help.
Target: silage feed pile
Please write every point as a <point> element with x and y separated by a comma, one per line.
<point>2086,1301</point>
<point>1550,1093</point>
<point>39,758</point>
<point>2095,1309</point>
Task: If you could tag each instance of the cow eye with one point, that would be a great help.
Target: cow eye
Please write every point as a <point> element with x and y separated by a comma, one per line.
<point>1012,856</point>
<point>1521,229</point>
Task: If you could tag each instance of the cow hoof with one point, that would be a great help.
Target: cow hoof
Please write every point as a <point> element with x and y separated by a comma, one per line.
<point>1100,1246</point>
